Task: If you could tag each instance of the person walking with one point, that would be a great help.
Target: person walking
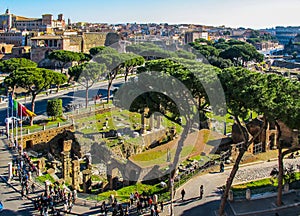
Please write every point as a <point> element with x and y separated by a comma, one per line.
<point>161,206</point>
<point>201,191</point>
<point>221,167</point>
<point>33,187</point>
<point>182,194</point>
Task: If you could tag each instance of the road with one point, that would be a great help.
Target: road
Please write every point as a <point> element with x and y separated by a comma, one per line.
<point>72,96</point>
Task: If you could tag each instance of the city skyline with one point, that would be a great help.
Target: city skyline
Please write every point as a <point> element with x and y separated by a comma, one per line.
<point>231,13</point>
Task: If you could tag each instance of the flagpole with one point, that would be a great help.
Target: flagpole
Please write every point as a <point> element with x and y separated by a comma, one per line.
<point>12,122</point>
<point>7,110</point>
<point>16,120</point>
<point>21,133</point>
<point>7,114</point>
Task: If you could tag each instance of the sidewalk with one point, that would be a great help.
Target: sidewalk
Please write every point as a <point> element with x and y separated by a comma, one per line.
<point>264,204</point>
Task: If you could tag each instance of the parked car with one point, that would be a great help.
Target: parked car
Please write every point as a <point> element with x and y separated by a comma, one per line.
<point>1,206</point>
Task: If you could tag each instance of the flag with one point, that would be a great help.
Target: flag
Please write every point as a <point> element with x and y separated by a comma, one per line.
<point>22,110</point>
<point>10,101</point>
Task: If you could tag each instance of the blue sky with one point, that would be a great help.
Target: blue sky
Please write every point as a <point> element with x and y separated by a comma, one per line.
<point>232,13</point>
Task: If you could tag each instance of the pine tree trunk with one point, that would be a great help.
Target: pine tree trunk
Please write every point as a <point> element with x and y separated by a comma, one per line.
<point>280,176</point>
<point>32,108</point>
<point>86,97</point>
<point>108,90</point>
<point>230,181</point>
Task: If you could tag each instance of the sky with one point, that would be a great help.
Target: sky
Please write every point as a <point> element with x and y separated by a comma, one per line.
<point>255,14</point>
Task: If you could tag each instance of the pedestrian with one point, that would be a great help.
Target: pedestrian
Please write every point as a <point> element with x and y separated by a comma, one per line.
<point>201,191</point>
<point>74,196</point>
<point>221,166</point>
<point>126,211</point>
<point>182,194</point>
<point>33,187</point>
<point>131,199</point>
<point>161,206</point>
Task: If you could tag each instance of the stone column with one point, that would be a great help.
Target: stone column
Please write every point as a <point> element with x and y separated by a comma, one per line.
<point>158,121</point>
<point>75,171</point>
<point>10,172</point>
<point>66,166</point>
<point>151,122</point>
<point>87,180</point>
<point>143,123</point>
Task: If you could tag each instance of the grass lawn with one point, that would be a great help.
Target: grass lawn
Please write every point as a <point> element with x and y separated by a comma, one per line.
<point>124,193</point>
<point>258,186</point>
<point>44,178</point>
<point>194,145</point>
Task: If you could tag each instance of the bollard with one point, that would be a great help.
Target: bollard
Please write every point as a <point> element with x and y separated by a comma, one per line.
<point>248,194</point>
<point>286,187</point>
<point>10,172</point>
<point>230,196</point>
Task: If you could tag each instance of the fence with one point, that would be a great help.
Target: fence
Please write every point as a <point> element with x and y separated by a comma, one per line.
<point>257,148</point>
<point>194,170</point>
<point>29,130</point>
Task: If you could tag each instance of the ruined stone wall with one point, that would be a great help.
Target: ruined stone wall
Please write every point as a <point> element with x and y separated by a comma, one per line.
<point>73,43</point>
<point>92,39</point>
<point>39,141</point>
<point>153,136</point>
<point>288,135</point>
<point>38,53</point>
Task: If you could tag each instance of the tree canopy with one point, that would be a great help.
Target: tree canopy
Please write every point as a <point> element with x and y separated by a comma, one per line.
<point>8,66</point>
<point>66,57</point>
<point>34,80</point>
<point>273,96</point>
<point>87,74</point>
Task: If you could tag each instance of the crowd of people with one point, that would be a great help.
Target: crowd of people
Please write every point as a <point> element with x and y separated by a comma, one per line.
<point>22,169</point>
<point>55,197</point>
<point>144,203</point>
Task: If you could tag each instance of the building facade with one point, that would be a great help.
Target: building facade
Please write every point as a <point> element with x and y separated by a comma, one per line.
<point>192,36</point>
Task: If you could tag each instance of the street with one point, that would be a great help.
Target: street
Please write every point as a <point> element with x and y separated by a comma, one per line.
<point>72,96</point>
